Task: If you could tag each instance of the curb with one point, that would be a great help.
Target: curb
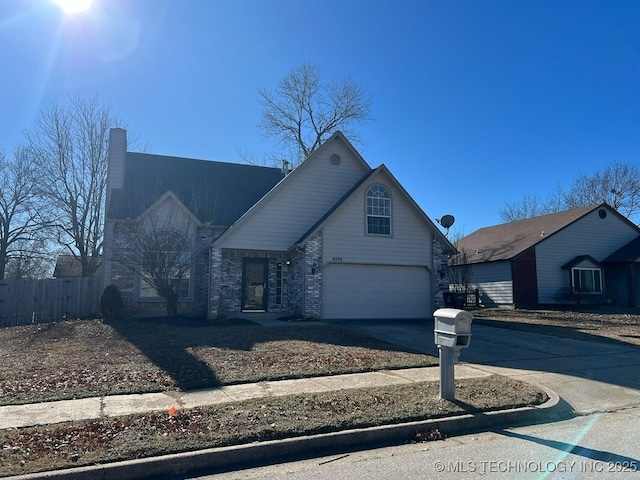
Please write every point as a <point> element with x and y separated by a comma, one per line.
<point>263,453</point>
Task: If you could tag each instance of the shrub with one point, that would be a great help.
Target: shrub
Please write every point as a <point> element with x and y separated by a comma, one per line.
<point>111,303</point>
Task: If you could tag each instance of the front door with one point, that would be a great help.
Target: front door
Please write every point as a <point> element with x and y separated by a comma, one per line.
<point>255,272</point>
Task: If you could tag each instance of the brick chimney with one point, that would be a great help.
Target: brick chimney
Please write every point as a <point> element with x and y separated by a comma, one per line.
<point>116,158</point>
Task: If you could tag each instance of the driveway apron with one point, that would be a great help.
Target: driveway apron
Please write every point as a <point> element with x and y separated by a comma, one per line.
<point>590,376</point>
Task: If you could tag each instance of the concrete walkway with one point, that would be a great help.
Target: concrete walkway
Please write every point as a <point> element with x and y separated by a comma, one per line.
<point>16,416</point>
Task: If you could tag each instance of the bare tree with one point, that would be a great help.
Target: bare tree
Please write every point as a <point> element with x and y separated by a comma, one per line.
<point>303,111</point>
<point>459,271</point>
<point>618,185</point>
<point>21,218</point>
<point>161,249</point>
<point>69,146</point>
<point>529,206</point>
<point>31,259</point>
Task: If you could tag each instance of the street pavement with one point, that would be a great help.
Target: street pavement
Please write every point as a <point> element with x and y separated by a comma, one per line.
<point>602,446</point>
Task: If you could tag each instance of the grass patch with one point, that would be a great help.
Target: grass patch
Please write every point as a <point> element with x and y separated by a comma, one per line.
<point>88,358</point>
<point>594,326</point>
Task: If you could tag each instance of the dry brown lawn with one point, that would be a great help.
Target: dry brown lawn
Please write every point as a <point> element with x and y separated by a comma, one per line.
<point>86,358</point>
<point>599,326</point>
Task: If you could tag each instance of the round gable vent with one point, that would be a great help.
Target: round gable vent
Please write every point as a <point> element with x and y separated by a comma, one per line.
<point>335,159</point>
<point>602,213</point>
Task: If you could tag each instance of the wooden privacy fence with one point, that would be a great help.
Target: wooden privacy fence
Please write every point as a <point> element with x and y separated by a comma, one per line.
<point>27,301</point>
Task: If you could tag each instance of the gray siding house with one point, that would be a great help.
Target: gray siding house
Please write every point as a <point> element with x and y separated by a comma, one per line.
<point>334,238</point>
<point>587,254</point>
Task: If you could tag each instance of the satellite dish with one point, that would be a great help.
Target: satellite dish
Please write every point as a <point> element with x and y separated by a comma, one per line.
<point>446,221</point>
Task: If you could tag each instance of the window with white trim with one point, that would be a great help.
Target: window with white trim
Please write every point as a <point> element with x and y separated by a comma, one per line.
<point>586,280</point>
<point>378,211</point>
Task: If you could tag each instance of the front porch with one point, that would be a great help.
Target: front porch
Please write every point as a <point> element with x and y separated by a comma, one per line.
<point>250,283</point>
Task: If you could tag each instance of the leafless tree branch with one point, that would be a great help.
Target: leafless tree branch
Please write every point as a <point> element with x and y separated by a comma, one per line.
<point>302,112</point>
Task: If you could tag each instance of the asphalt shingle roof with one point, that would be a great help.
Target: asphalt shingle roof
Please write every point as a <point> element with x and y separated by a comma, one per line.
<point>505,241</point>
<point>215,192</point>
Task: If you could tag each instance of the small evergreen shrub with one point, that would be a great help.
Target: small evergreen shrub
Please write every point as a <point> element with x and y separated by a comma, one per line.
<point>111,303</point>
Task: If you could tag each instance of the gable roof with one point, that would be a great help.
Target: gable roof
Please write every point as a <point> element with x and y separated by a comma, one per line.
<point>337,136</point>
<point>578,260</point>
<point>505,241</point>
<point>381,170</point>
<point>169,196</point>
<point>629,253</point>
<point>215,192</point>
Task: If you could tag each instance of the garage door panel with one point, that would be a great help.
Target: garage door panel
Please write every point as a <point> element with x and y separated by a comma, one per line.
<point>375,291</point>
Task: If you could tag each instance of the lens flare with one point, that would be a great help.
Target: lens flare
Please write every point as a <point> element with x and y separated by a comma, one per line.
<point>73,6</point>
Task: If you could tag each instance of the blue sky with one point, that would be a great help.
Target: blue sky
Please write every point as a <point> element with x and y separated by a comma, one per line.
<point>475,103</point>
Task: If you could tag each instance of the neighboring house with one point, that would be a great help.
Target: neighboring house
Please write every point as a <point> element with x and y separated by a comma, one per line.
<point>333,238</point>
<point>70,266</point>
<point>587,254</point>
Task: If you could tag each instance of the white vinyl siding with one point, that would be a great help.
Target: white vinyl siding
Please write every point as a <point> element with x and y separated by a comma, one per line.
<point>375,291</point>
<point>591,235</point>
<point>345,235</point>
<point>494,282</point>
<point>300,201</point>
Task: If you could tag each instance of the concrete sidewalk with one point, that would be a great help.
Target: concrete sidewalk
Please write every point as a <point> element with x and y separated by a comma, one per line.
<point>16,416</point>
<point>181,465</point>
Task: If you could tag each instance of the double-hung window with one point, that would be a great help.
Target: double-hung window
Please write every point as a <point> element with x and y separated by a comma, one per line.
<point>378,211</point>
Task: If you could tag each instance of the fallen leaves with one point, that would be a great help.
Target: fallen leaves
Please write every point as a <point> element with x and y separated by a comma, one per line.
<point>111,439</point>
<point>84,358</point>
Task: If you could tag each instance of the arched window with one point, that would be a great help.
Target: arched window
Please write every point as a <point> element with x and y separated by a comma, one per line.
<point>378,211</point>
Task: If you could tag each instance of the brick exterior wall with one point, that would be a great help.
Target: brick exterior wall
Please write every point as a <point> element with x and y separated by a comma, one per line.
<point>215,281</point>
<point>301,292</point>
<point>305,286</point>
<point>296,283</point>
<point>226,281</point>
<point>313,277</point>
<point>124,275</point>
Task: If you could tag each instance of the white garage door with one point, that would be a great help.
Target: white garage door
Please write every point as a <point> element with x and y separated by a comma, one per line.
<point>375,291</point>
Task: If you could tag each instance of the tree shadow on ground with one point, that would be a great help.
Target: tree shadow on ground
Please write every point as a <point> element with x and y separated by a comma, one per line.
<point>178,346</point>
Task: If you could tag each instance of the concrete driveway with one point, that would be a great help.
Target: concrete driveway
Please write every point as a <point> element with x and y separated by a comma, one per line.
<point>590,376</point>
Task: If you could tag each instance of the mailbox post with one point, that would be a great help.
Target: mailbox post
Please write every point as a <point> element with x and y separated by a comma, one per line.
<point>451,332</point>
